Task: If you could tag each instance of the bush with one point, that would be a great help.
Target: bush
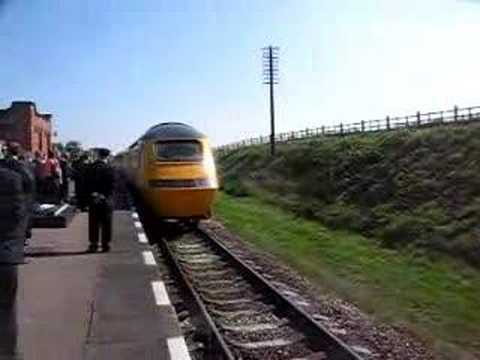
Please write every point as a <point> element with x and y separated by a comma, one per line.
<point>467,246</point>
<point>406,229</point>
<point>235,187</point>
<point>344,216</point>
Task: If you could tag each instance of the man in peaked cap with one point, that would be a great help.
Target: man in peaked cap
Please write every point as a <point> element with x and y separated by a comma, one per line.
<point>100,184</point>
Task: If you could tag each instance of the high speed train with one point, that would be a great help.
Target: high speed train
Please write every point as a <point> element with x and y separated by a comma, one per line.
<point>172,168</point>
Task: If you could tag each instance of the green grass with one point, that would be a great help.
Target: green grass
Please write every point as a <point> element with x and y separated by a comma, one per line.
<point>406,188</point>
<point>437,298</point>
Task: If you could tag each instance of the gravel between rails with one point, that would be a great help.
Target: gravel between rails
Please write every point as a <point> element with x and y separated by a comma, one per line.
<point>368,338</point>
<point>246,319</point>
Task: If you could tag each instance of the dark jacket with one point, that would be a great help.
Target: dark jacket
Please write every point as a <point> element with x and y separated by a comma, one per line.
<point>100,179</point>
<point>29,187</point>
<point>25,171</point>
<point>13,215</point>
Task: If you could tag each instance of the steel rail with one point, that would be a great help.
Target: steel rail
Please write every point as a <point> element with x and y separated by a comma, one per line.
<point>216,348</point>
<point>318,336</point>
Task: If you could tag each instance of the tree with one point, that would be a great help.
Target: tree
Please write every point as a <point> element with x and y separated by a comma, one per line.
<point>60,147</point>
<point>73,147</point>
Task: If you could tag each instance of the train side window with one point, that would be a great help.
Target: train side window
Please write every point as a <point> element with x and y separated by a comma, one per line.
<point>136,154</point>
<point>179,150</point>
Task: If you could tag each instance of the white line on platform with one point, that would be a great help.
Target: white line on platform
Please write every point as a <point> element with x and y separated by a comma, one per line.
<point>142,238</point>
<point>138,224</point>
<point>178,348</point>
<point>59,211</point>
<point>134,215</point>
<point>148,258</point>
<point>160,292</point>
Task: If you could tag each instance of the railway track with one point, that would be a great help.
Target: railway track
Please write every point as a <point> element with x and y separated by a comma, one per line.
<point>240,314</point>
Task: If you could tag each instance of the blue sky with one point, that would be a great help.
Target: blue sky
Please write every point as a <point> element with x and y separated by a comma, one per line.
<point>108,70</point>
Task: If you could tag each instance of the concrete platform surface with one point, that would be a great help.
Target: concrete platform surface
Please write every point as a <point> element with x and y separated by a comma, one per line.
<point>73,305</point>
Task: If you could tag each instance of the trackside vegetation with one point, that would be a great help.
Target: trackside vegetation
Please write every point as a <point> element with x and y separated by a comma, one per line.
<point>436,298</point>
<point>405,188</point>
<point>389,221</point>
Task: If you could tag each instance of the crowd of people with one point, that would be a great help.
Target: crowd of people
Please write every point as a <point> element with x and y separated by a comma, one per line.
<point>36,180</point>
<point>25,183</point>
<point>52,173</point>
<point>49,175</point>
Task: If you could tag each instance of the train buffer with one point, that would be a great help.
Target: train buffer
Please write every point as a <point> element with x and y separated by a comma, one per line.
<point>74,305</point>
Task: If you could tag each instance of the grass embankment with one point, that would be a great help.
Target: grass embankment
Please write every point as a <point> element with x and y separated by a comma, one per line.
<point>416,189</point>
<point>437,298</point>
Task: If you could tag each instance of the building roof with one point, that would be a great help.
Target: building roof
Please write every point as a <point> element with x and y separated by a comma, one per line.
<point>172,130</point>
<point>20,104</point>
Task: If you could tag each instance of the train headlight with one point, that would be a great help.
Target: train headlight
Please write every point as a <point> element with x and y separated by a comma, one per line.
<point>182,183</point>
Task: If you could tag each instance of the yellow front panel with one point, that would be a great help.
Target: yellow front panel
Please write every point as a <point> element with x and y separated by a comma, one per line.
<point>176,203</point>
<point>168,171</point>
<point>180,203</point>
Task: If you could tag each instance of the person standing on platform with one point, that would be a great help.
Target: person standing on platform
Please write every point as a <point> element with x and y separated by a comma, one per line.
<point>13,227</point>
<point>53,179</point>
<point>14,212</point>
<point>79,170</point>
<point>65,181</point>
<point>100,184</point>
<point>40,172</point>
<point>13,161</point>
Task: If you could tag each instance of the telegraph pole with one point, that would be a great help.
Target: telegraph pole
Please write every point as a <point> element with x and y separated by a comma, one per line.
<point>270,77</point>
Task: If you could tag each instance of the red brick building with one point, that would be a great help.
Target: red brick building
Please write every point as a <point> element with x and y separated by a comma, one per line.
<point>22,123</point>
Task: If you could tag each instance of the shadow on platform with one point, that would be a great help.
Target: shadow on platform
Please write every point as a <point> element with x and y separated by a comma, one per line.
<point>40,254</point>
<point>35,254</point>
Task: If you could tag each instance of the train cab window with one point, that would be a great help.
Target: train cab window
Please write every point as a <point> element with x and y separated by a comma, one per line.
<point>190,150</point>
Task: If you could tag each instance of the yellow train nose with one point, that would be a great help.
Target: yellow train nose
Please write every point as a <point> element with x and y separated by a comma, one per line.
<point>177,203</point>
<point>173,168</point>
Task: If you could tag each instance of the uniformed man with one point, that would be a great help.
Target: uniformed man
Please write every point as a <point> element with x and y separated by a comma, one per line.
<point>100,184</point>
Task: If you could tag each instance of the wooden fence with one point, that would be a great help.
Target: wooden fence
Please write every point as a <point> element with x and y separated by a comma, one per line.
<point>418,120</point>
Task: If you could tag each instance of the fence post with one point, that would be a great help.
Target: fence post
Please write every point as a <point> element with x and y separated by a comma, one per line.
<point>363,125</point>
<point>418,118</point>
<point>441,116</point>
<point>341,128</point>
<point>469,113</point>
<point>388,122</point>
<point>323,129</point>
<point>455,113</point>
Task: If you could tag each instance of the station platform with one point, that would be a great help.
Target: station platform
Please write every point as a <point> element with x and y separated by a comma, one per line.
<point>75,305</point>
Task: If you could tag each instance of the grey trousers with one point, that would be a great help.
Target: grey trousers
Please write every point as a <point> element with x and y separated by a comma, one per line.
<point>8,320</point>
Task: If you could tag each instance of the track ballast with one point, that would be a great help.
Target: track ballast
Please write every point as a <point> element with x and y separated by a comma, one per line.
<point>241,313</point>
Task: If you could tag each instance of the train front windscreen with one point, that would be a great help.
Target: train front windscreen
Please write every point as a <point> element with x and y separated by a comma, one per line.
<point>179,150</point>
